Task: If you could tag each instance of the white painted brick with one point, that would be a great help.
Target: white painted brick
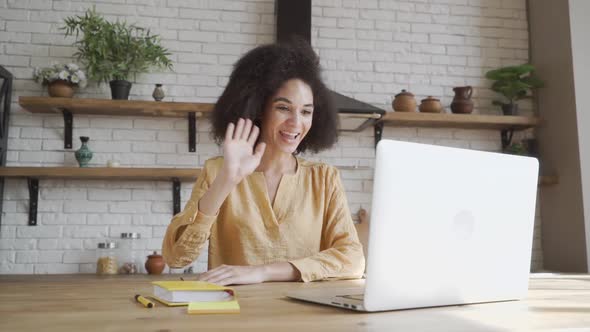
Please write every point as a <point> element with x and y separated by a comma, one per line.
<point>8,232</point>
<point>134,135</point>
<point>50,256</point>
<point>38,157</point>
<point>79,206</point>
<point>413,17</point>
<point>15,37</point>
<point>486,145</point>
<point>86,231</point>
<point>88,256</point>
<point>26,26</point>
<point>38,231</point>
<point>197,36</point>
<point>109,194</point>
<point>61,219</point>
<point>152,195</point>
<point>162,207</point>
<point>129,207</point>
<point>18,244</point>
<point>64,244</point>
<point>109,123</point>
<point>15,218</point>
<point>27,256</point>
<point>136,159</point>
<point>172,136</point>
<point>434,133</point>
<point>56,268</point>
<point>336,33</point>
<point>109,219</point>
<point>151,219</point>
<point>16,268</point>
<point>15,60</point>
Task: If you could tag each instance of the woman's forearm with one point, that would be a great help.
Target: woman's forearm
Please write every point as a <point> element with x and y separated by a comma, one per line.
<point>283,271</point>
<point>212,200</point>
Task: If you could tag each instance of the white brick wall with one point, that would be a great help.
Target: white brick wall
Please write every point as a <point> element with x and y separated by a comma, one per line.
<point>369,49</point>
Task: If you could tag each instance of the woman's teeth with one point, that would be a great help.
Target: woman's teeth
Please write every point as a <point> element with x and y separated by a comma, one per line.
<point>289,135</point>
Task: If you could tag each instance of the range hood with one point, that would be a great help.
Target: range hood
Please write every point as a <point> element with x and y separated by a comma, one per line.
<point>294,18</point>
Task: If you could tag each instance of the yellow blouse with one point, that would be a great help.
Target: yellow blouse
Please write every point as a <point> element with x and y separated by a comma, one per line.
<point>309,224</point>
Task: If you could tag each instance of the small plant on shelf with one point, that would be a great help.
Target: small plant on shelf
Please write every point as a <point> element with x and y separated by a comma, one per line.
<point>61,79</point>
<point>514,83</point>
<point>113,52</point>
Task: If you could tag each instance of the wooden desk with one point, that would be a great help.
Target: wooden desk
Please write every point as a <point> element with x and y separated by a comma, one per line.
<point>91,303</point>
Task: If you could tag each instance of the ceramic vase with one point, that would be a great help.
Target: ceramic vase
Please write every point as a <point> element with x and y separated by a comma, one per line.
<point>61,89</point>
<point>83,154</point>
<point>404,102</point>
<point>462,102</point>
<point>158,93</point>
<point>155,263</point>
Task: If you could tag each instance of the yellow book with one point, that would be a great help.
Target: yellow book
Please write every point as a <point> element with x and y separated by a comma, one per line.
<point>178,293</point>
<point>224,307</point>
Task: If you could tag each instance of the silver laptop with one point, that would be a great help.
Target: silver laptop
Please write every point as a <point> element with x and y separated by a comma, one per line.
<point>447,226</point>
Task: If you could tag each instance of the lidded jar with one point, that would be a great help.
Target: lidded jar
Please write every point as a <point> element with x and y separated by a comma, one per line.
<point>404,102</point>
<point>130,261</point>
<point>106,258</point>
<point>430,105</point>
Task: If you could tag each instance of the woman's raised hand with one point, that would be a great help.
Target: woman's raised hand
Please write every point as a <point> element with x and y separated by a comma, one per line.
<point>240,158</point>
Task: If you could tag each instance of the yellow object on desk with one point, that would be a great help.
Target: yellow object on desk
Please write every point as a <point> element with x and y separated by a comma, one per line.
<point>223,307</point>
<point>179,293</point>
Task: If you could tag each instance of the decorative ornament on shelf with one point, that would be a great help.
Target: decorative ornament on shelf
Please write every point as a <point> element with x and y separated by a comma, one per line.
<point>462,102</point>
<point>113,52</point>
<point>404,102</point>
<point>431,105</point>
<point>155,263</point>
<point>84,154</point>
<point>158,93</point>
<point>513,82</point>
<point>61,79</point>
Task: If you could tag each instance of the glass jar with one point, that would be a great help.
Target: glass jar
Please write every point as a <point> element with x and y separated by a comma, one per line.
<point>106,258</point>
<point>130,262</point>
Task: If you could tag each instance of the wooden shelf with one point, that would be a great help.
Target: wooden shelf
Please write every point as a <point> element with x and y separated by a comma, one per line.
<point>101,173</point>
<point>463,121</point>
<point>70,106</point>
<point>126,173</point>
<point>112,107</point>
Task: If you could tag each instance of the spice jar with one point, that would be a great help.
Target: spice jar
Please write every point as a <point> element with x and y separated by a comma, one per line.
<point>130,262</point>
<point>106,258</point>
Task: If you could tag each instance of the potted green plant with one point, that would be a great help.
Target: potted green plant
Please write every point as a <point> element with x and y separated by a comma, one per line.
<point>112,52</point>
<point>513,82</point>
<point>516,148</point>
<point>60,79</point>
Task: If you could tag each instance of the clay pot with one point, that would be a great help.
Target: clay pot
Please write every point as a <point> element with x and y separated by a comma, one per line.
<point>431,105</point>
<point>155,263</point>
<point>61,89</point>
<point>462,102</point>
<point>404,102</point>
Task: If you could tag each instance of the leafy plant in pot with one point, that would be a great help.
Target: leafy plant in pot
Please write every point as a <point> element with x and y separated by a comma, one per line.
<point>112,52</point>
<point>513,82</point>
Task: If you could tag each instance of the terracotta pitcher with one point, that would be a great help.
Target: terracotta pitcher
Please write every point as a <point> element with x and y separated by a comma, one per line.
<point>462,102</point>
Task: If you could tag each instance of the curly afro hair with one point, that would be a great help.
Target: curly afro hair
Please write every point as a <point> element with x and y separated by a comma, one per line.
<point>256,78</point>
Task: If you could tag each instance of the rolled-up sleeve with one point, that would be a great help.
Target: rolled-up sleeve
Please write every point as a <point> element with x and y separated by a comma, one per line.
<point>341,253</point>
<point>190,229</point>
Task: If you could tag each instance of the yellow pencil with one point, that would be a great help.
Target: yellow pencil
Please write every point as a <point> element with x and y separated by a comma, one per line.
<point>146,303</point>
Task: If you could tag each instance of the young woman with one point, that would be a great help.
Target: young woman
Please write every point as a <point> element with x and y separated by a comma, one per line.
<point>268,214</point>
